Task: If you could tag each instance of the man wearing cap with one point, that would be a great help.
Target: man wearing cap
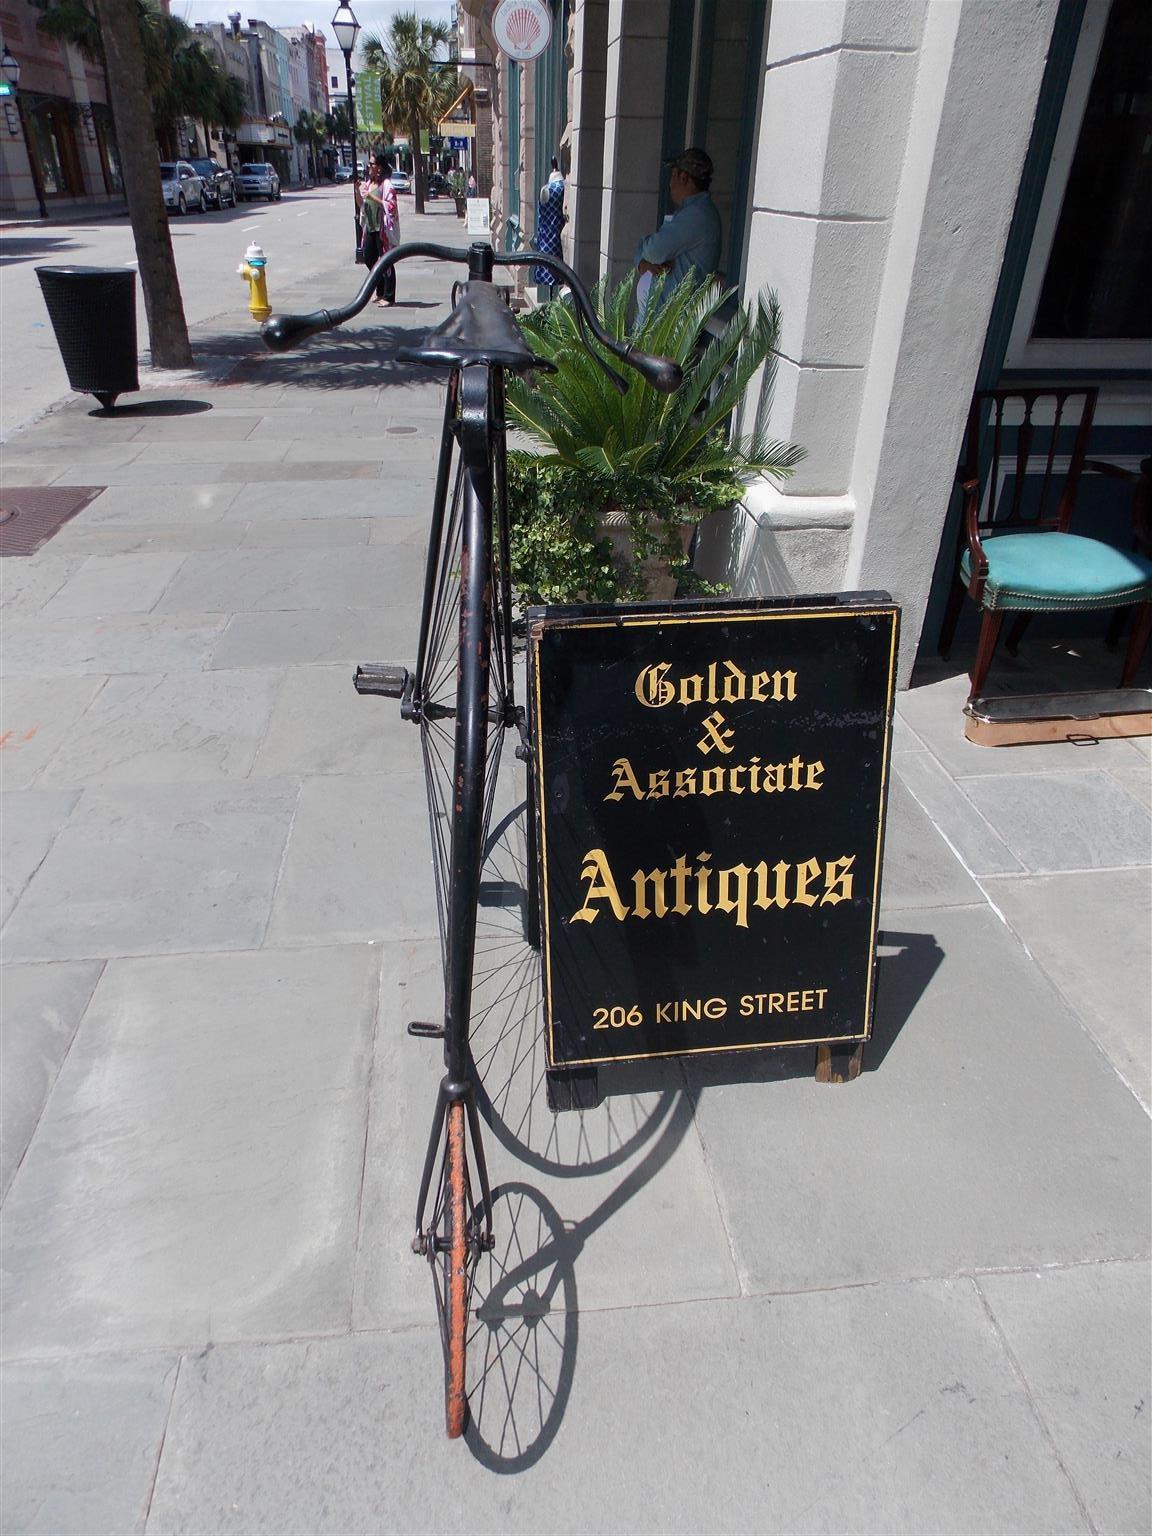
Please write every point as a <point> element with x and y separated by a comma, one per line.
<point>690,240</point>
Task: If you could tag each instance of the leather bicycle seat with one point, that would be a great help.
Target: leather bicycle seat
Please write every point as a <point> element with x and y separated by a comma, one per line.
<point>481,329</point>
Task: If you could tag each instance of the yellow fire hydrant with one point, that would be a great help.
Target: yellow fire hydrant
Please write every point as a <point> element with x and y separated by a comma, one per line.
<point>253,268</point>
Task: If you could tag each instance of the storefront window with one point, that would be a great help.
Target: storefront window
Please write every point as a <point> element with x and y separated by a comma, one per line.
<point>1096,283</point>
<point>54,144</point>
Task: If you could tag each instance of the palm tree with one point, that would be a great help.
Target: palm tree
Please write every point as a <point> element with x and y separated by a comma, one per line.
<point>310,129</point>
<point>339,127</point>
<point>416,89</point>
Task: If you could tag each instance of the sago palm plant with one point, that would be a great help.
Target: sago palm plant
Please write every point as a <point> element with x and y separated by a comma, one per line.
<point>664,460</point>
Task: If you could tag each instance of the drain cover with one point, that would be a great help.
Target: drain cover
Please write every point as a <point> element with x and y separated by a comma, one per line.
<point>31,514</point>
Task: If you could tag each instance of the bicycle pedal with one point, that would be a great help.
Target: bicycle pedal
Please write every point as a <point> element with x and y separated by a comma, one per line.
<point>426,1031</point>
<point>390,682</point>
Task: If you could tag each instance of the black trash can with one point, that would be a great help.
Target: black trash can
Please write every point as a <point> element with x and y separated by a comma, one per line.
<point>93,313</point>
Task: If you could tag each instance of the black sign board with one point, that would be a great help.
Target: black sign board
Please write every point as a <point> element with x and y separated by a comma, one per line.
<point>711,788</point>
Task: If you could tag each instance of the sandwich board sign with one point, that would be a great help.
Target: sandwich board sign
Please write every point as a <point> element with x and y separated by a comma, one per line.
<point>711,784</point>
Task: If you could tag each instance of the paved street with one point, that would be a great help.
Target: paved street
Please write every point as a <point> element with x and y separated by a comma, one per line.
<point>303,234</point>
<point>730,1299</point>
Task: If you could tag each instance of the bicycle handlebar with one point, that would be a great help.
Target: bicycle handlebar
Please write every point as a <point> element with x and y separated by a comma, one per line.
<point>287,331</point>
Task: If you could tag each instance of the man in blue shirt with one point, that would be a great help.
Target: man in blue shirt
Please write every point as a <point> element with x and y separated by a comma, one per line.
<point>690,240</point>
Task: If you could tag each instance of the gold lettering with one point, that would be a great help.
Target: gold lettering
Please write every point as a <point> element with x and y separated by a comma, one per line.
<point>734,901</point>
<point>601,887</point>
<point>778,897</point>
<point>702,902</point>
<point>623,779</point>
<point>685,783</point>
<point>805,874</point>
<point>735,684</point>
<point>680,872</point>
<point>640,883</point>
<point>814,775</point>
<point>714,738</point>
<point>653,688</point>
<point>838,880</point>
<point>712,781</point>
<point>658,784</point>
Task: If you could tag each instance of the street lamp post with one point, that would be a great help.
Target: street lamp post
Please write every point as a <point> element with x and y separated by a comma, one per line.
<point>10,69</point>
<point>346,30</point>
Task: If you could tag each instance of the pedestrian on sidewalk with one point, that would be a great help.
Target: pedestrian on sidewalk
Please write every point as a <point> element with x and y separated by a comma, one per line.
<point>690,240</point>
<point>380,226</point>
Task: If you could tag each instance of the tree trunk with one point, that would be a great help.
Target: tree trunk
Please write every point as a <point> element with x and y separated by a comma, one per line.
<point>417,166</point>
<point>136,138</point>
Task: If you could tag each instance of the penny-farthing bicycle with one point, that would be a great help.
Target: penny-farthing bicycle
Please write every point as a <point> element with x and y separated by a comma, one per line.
<point>461,696</point>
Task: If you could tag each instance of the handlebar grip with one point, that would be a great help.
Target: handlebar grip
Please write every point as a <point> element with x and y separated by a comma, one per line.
<point>287,331</point>
<point>661,372</point>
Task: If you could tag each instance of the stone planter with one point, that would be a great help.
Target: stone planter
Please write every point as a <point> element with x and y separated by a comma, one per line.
<point>659,582</point>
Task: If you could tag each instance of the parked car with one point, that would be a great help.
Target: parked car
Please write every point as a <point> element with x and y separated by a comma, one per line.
<point>401,181</point>
<point>258,180</point>
<point>182,187</point>
<point>219,186</point>
<point>343,173</point>
<point>438,185</point>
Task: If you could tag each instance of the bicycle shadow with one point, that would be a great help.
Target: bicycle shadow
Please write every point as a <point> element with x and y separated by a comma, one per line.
<point>524,1336</point>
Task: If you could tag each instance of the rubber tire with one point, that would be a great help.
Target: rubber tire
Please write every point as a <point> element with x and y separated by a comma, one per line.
<point>455,1274</point>
<point>182,205</point>
<point>277,194</point>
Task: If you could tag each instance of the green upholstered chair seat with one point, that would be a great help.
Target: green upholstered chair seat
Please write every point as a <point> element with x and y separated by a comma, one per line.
<point>1038,571</point>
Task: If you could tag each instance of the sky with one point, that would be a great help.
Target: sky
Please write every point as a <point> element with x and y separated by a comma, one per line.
<point>373,15</point>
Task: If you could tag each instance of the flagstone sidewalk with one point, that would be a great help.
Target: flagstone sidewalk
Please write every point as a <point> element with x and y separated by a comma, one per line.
<point>730,1298</point>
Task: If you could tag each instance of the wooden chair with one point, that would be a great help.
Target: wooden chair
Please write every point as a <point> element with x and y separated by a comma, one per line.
<point>1024,560</point>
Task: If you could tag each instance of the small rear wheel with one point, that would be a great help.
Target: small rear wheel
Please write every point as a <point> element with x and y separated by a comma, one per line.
<point>454,1257</point>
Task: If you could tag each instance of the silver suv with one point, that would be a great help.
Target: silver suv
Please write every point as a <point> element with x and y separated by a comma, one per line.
<point>259,180</point>
<point>182,187</point>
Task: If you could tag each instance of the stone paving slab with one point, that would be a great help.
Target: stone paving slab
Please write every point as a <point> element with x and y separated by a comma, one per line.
<point>174,503</point>
<point>315,636</point>
<point>196,1175</point>
<point>29,824</point>
<point>627,1182</point>
<point>345,832</point>
<point>114,584</point>
<point>42,1009</point>
<point>1059,820</point>
<point>314,497</point>
<point>1080,927</point>
<point>169,728</point>
<point>989,1131</point>
<point>321,725</point>
<point>700,1417</point>
<point>920,870</point>
<point>114,643</point>
<point>952,813</point>
<point>1081,1339</point>
<point>36,717</point>
<point>82,1443</point>
<point>153,869</point>
<point>275,580</point>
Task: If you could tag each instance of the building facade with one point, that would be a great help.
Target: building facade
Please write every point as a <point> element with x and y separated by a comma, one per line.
<point>945,194</point>
<point>58,150</point>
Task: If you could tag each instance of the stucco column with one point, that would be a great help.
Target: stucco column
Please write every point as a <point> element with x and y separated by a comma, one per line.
<point>636,51</point>
<point>975,104</point>
<point>891,140</point>
<point>585,188</point>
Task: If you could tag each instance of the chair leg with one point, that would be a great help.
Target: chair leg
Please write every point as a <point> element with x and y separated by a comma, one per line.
<point>951,618</point>
<point>1019,624</point>
<point>1115,628</point>
<point>989,634</point>
<point>1139,639</point>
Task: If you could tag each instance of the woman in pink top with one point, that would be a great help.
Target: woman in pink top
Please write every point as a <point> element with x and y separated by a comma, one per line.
<point>389,231</point>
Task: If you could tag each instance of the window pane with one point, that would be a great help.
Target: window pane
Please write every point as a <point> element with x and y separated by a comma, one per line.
<point>1098,283</point>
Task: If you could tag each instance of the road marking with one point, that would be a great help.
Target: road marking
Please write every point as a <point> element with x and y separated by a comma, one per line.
<point>303,215</point>
<point>246,227</point>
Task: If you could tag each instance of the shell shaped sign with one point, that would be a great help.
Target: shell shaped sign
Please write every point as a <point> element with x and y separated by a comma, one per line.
<point>523,28</point>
